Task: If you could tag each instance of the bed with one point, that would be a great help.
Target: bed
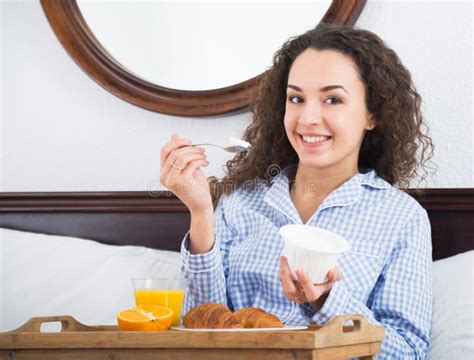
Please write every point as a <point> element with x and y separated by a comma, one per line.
<point>73,253</point>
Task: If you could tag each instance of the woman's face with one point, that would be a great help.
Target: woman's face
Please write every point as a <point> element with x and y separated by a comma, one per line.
<point>316,109</point>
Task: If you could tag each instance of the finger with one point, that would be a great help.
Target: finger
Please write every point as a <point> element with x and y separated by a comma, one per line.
<point>286,280</point>
<point>174,144</point>
<point>176,171</point>
<point>176,136</point>
<point>298,286</point>
<point>193,166</point>
<point>170,146</point>
<point>180,158</point>
<point>188,188</point>
<point>335,274</point>
<point>300,296</point>
<point>311,291</point>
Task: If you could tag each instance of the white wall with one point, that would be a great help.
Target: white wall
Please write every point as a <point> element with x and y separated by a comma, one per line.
<point>62,132</point>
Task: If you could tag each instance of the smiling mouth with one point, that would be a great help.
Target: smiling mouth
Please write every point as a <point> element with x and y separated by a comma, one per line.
<point>315,140</point>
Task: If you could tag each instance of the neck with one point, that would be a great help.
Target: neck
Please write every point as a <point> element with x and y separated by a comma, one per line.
<point>312,182</point>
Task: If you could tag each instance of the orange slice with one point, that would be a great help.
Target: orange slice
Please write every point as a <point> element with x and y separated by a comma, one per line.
<point>145,318</point>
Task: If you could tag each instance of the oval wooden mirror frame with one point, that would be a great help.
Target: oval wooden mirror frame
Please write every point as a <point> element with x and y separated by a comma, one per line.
<point>71,29</point>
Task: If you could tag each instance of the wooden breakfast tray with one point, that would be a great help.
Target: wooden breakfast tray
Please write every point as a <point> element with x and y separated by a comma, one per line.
<point>78,341</point>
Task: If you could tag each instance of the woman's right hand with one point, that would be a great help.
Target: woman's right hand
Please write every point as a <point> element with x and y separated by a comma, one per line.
<point>182,175</point>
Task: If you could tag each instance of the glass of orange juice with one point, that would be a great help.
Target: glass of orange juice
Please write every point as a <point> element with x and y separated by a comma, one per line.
<point>161,292</point>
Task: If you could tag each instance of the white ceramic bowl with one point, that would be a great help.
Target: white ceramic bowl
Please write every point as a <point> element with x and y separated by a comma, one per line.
<point>312,249</point>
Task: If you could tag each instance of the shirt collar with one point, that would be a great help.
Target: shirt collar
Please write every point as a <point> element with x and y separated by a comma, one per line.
<point>278,195</point>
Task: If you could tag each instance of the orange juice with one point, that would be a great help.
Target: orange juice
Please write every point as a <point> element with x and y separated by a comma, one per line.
<point>169,298</point>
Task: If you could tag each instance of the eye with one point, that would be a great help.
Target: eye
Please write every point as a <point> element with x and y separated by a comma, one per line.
<point>297,100</point>
<point>334,98</point>
<point>291,98</point>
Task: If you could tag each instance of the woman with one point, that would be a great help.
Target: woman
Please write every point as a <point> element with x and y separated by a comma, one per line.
<point>335,134</point>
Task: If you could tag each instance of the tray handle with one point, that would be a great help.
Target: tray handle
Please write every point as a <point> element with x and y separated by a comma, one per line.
<point>68,323</point>
<point>361,331</point>
<point>337,327</point>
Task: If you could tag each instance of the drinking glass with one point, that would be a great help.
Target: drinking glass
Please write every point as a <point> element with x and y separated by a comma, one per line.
<point>168,292</point>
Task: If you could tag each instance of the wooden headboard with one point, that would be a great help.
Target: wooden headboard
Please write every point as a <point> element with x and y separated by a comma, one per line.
<point>159,220</point>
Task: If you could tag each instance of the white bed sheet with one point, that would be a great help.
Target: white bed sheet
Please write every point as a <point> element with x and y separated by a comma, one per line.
<point>43,275</point>
<point>56,275</point>
<point>452,331</point>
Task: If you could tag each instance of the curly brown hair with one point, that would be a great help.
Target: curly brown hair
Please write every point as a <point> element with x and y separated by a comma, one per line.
<point>392,148</point>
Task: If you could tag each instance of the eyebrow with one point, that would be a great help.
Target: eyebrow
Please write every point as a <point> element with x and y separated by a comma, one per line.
<point>323,89</point>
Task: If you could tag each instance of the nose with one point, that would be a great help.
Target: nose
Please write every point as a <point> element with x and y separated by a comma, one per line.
<point>311,114</point>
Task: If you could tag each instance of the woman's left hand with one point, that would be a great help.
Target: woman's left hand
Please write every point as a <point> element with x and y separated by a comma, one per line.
<point>302,290</point>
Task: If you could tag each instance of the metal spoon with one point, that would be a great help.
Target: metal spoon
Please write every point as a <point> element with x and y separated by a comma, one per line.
<point>232,149</point>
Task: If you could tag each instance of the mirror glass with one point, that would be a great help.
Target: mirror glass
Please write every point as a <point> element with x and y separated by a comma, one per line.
<point>183,45</point>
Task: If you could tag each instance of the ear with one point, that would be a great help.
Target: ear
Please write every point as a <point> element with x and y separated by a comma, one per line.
<point>370,122</point>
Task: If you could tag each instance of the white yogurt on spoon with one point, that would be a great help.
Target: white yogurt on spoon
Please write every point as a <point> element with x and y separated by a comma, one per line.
<point>237,142</point>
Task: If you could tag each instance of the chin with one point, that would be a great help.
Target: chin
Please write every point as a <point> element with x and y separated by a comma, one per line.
<point>315,163</point>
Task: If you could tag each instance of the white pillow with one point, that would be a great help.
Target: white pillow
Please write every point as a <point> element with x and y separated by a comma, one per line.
<point>44,275</point>
<point>452,332</point>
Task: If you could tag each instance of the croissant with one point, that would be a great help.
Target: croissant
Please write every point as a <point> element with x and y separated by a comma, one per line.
<point>252,317</point>
<point>218,316</point>
<point>211,316</point>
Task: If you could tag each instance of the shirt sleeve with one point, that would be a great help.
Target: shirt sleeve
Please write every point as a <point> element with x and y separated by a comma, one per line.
<point>206,273</point>
<point>402,298</point>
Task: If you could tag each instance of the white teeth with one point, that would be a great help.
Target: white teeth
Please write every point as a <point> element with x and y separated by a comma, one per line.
<point>314,139</point>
